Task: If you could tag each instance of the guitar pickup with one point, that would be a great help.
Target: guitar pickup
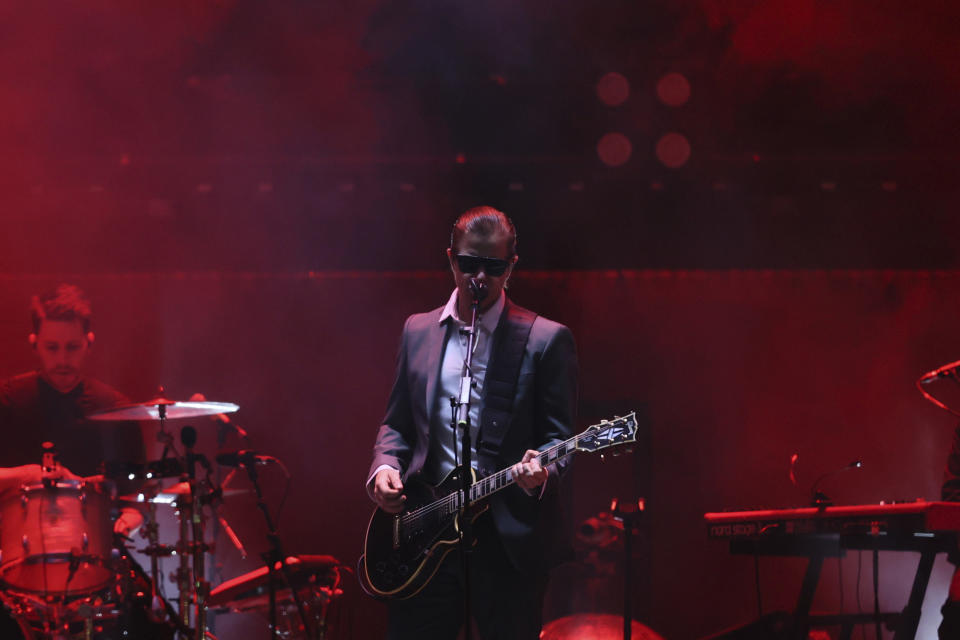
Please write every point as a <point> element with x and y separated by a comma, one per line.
<point>396,531</point>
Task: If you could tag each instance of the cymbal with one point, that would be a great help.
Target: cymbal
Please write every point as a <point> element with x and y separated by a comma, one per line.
<point>171,493</point>
<point>248,592</point>
<point>183,488</point>
<point>171,409</point>
<point>594,626</point>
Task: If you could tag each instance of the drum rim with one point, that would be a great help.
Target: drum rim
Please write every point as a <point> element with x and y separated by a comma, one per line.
<point>63,483</point>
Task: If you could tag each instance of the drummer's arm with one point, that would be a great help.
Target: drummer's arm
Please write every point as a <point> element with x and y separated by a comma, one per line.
<point>128,522</point>
<point>12,478</point>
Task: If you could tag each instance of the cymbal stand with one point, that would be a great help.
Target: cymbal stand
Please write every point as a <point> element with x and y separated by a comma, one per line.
<point>182,574</point>
<point>273,556</point>
<point>184,507</point>
<point>151,530</point>
<point>201,586</point>
<point>191,518</point>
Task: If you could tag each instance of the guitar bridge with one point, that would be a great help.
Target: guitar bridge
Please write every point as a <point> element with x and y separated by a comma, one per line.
<point>396,531</point>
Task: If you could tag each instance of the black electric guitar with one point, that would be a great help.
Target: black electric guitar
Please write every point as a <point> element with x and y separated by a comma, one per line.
<point>402,551</point>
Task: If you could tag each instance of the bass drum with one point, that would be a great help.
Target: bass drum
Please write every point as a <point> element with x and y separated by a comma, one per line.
<point>121,612</point>
<point>56,540</point>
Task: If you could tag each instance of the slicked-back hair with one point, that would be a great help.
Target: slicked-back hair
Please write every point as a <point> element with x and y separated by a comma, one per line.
<point>66,303</point>
<point>484,222</point>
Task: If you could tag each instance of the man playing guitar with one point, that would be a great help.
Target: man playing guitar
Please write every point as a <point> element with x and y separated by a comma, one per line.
<point>524,400</point>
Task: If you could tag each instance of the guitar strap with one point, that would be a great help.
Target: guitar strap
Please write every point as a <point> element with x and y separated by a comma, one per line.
<point>500,382</point>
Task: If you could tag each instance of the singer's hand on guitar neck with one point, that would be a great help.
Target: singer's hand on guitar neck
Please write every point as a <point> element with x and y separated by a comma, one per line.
<point>388,491</point>
<point>528,473</point>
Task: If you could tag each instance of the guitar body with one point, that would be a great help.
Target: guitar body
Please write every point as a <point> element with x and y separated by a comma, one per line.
<point>403,551</point>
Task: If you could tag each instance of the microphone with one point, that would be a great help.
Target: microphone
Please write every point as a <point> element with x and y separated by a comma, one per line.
<point>479,289</point>
<point>820,499</point>
<point>242,458</point>
<point>188,436</point>
<point>946,371</point>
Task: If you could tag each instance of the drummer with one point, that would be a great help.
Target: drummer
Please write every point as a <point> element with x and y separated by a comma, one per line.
<point>49,404</point>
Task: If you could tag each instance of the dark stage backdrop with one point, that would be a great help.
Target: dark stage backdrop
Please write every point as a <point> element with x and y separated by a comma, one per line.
<point>736,371</point>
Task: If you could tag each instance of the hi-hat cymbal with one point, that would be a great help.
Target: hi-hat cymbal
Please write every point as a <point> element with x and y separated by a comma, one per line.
<point>172,493</point>
<point>183,488</point>
<point>171,410</point>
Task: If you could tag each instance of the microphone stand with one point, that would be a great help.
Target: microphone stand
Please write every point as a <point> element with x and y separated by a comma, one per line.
<point>273,556</point>
<point>462,407</point>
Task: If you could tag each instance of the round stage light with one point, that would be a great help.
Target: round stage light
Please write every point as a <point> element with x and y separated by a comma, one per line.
<point>614,149</point>
<point>673,150</point>
<point>613,89</point>
<point>673,89</point>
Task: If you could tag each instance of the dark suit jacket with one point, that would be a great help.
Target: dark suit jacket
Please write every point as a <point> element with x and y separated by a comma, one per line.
<point>544,412</point>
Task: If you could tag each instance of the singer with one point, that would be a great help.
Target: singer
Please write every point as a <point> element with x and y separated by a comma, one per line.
<point>525,369</point>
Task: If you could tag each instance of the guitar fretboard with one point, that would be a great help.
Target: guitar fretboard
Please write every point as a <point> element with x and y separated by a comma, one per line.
<point>504,478</point>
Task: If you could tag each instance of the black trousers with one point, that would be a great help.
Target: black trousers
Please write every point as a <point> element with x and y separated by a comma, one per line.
<point>949,628</point>
<point>506,603</point>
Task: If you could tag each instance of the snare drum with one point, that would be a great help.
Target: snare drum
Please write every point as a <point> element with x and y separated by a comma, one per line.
<point>57,540</point>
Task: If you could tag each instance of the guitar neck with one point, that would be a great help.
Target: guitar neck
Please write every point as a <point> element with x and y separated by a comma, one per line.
<point>485,487</point>
<point>607,433</point>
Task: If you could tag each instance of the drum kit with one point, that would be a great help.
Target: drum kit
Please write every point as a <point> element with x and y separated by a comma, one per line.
<point>66,573</point>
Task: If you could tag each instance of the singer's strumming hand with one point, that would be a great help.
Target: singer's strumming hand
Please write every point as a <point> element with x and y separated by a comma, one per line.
<point>388,491</point>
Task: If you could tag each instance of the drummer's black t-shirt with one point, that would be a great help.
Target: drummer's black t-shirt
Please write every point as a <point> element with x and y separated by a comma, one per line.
<point>33,412</point>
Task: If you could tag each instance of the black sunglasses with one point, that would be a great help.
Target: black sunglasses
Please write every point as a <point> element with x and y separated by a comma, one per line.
<point>491,266</point>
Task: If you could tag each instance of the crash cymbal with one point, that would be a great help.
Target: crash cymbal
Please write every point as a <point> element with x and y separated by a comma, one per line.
<point>170,410</point>
<point>594,626</point>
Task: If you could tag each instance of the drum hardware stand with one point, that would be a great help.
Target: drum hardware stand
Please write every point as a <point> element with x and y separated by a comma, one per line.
<point>183,629</point>
<point>274,556</point>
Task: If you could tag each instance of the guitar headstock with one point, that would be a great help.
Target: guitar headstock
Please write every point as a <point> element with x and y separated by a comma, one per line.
<point>609,433</point>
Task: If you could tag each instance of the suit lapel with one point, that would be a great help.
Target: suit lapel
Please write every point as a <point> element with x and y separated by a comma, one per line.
<point>434,356</point>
